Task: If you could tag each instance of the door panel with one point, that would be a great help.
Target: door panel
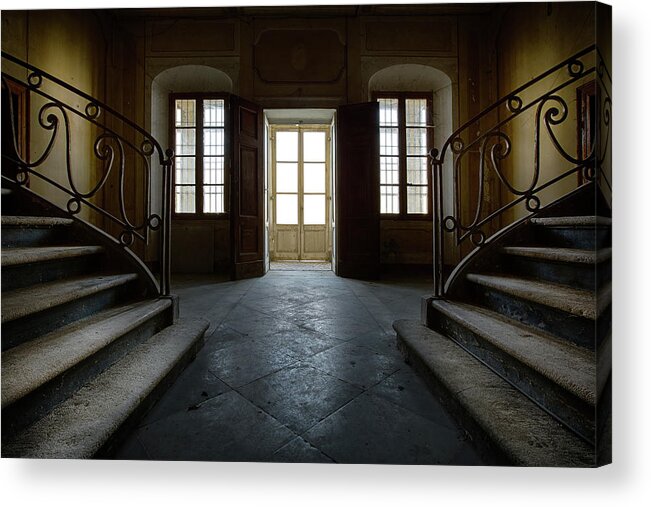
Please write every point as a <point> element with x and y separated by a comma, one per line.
<point>358,191</point>
<point>247,180</point>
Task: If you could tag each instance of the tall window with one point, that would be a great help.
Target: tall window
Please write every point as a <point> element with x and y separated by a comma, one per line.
<point>405,141</point>
<point>198,124</point>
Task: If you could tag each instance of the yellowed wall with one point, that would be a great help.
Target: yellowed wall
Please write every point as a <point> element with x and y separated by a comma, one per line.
<point>532,38</point>
<point>70,45</point>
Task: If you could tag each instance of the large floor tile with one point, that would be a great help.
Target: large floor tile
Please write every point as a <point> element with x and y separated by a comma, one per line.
<point>342,328</point>
<point>225,428</point>
<point>195,385</point>
<point>355,364</point>
<point>372,430</point>
<point>245,362</point>
<point>299,451</point>
<point>300,396</point>
<point>407,390</point>
<point>302,343</point>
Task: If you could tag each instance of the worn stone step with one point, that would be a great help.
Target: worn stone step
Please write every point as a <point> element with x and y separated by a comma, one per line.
<point>579,302</point>
<point>505,426</point>
<point>94,419</point>
<point>36,222</point>
<point>556,374</point>
<point>580,268</point>
<point>568,255</point>
<point>32,311</point>
<point>578,315</point>
<point>582,232</point>
<point>589,221</point>
<point>31,255</point>
<point>39,374</point>
<point>26,231</point>
<point>25,266</point>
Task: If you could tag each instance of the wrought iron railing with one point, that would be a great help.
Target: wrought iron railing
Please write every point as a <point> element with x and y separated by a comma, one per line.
<point>480,147</point>
<point>116,144</point>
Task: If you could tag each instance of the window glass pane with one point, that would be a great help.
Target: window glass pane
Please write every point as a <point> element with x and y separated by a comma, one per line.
<point>416,112</point>
<point>314,178</point>
<point>314,146</point>
<point>388,112</point>
<point>213,199</point>
<point>184,202</point>
<point>185,142</point>
<point>213,113</point>
<point>287,146</point>
<point>213,170</point>
<point>416,141</point>
<point>417,200</point>
<point>417,170</point>
<point>213,142</point>
<point>287,209</point>
<point>286,177</point>
<point>184,167</point>
<point>314,209</point>
<point>184,113</point>
<point>389,170</point>
<point>388,141</point>
<point>389,202</point>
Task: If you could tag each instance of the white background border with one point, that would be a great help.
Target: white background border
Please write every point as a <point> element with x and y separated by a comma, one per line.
<point>626,483</point>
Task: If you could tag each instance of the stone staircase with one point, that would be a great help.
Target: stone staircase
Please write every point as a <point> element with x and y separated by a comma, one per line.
<point>87,345</point>
<point>520,350</point>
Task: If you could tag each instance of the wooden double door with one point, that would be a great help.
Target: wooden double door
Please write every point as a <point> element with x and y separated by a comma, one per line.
<point>300,199</point>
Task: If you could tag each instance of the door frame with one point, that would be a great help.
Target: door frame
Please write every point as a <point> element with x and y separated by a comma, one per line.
<point>271,171</point>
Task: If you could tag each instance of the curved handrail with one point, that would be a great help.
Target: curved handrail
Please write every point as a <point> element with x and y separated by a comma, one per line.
<point>109,147</point>
<point>163,155</point>
<point>492,145</point>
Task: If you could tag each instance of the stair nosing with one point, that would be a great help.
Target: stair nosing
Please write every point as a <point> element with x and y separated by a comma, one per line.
<point>583,390</point>
<point>582,221</point>
<point>69,338</point>
<point>34,221</point>
<point>82,424</point>
<point>67,292</point>
<point>579,302</point>
<point>565,255</point>
<point>30,255</point>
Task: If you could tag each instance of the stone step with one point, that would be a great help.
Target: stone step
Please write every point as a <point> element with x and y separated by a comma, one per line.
<point>25,266</point>
<point>39,374</point>
<point>505,426</point>
<point>582,232</point>
<point>34,222</point>
<point>581,268</point>
<point>568,255</point>
<point>24,231</point>
<point>31,311</point>
<point>31,255</point>
<point>578,315</point>
<point>555,373</point>
<point>94,419</point>
<point>589,221</point>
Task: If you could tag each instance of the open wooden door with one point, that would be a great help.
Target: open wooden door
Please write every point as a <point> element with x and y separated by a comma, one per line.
<point>247,189</point>
<point>358,191</point>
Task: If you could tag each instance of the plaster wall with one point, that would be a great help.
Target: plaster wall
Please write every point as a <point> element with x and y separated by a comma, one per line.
<point>78,56</point>
<point>533,38</point>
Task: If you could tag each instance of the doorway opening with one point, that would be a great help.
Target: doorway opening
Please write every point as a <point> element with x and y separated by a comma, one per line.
<point>300,208</point>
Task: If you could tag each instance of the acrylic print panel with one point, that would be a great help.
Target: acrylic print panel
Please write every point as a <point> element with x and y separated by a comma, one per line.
<point>464,169</point>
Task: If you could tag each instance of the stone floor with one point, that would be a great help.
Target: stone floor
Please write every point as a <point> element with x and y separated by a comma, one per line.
<point>299,366</point>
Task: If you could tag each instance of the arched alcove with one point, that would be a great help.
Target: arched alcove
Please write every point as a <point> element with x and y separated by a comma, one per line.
<point>412,77</point>
<point>183,78</point>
